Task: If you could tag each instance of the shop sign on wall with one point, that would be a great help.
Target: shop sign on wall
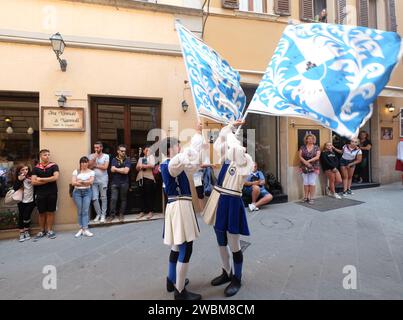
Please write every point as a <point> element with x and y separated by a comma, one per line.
<point>62,119</point>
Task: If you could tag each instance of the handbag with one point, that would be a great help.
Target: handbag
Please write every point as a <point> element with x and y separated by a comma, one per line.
<point>208,181</point>
<point>305,169</point>
<point>71,189</point>
<point>156,170</point>
<point>14,197</point>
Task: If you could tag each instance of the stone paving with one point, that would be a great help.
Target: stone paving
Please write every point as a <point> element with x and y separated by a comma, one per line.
<point>294,253</point>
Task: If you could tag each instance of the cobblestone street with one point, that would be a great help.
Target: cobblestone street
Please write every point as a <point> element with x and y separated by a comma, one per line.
<point>294,253</point>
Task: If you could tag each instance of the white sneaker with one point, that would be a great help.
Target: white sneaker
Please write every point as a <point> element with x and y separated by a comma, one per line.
<point>87,233</point>
<point>252,207</point>
<point>97,218</point>
<point>331,194</point>
<point>79,233</point>
<point>337,196</point>
<point>102,219</point>
<point>256,209</point>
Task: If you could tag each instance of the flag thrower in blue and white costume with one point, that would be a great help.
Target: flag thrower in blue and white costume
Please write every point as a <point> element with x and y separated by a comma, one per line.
<point>218,95</point>
<point>331,74</point>
<point>180,227</point>
<point>225,208</point>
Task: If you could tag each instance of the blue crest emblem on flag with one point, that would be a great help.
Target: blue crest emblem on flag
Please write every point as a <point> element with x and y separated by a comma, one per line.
<point>216,88</point>
<point>328,73</point>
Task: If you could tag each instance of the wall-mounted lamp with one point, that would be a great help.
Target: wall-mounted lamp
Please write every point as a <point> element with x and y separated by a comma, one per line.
<point>58,47</point>
<point>9,125</point>
<point>62,101</point>
<point>390,107</point>
<point>185,106</point>
<point>292,123</point>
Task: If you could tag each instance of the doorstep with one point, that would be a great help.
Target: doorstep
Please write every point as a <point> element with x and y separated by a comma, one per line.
<point>278,198</point>
<point>130,218</point>
<point>356,186</point>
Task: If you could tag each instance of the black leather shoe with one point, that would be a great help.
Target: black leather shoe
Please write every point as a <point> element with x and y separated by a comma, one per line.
<point>233,287</point>
<point>223,278</point>
<point>171,285</point>
<point>186,295</point>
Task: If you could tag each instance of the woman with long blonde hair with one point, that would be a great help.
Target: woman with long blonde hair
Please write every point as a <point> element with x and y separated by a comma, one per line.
<point>330,164</point>
<point>351,156</point>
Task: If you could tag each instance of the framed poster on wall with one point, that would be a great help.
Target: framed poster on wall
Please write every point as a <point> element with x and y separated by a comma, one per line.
<point>386,133</point>
<point>304,132</point>
<point>62,119</point>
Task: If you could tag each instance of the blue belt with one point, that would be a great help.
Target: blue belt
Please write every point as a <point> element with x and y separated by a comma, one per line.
<point>229,192</point>
<point>175,198</point>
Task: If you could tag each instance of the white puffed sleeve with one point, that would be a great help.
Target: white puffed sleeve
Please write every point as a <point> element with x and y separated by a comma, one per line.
<point>221,144</point>
<point>230,148</point>
<point>189,159</point>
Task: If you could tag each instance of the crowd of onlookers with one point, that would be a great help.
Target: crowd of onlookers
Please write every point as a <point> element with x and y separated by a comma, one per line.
<point>89,184</point>
<point>339,165</point>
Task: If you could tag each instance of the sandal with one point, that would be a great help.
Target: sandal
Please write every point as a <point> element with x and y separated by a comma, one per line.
<point>311,201</point>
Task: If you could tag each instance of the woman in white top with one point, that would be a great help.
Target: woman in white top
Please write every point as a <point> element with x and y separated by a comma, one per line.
<point>351,156</point>
<point>146,181</point>
<point>27,205</point>
<point>82,181</point>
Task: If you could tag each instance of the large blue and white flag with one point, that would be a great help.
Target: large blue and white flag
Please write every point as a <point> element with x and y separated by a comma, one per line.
<point>328,73</point>
<point>216,88</point>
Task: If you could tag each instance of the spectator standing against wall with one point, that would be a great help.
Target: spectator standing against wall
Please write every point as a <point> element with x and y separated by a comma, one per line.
<point>82,180</point>
<point>99,162</point>
<point>362,170</point>
<point>351,156</point>
<point>26,206</point>
<point>44,177</point>
<point>330,164</point>
<point>146,181</point>
<point>309,155</point>
<point>120,168</point>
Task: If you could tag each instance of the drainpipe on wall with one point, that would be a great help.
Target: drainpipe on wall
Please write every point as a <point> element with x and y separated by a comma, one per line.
<point>205,17</point>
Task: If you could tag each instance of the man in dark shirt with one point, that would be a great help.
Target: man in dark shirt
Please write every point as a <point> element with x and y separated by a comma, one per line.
<point>361,173</point>
<point>44,177</point>
<point>120,168</point>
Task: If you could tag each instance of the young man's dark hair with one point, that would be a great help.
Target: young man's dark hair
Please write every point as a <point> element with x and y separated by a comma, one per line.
<point>43,151</point>
<point>99,143</point>
<point>121,146</point>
